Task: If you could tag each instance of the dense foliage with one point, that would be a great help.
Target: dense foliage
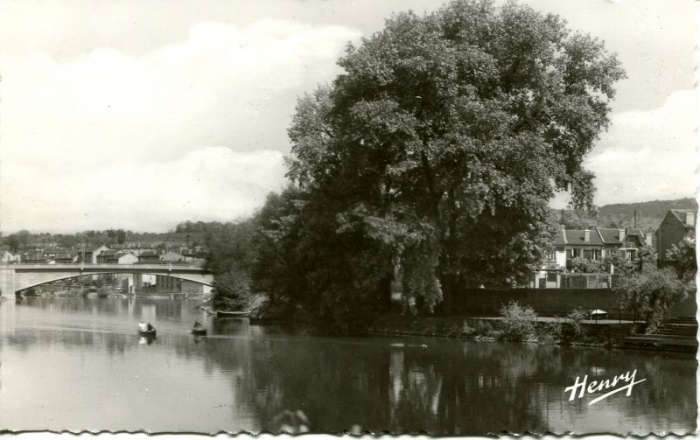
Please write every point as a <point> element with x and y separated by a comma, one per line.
<point>518,322</point>
<point>432,159</point>
<point>230,258</point>
<point>651,291</point>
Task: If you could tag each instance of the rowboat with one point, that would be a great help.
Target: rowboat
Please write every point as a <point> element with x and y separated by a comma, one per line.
<point>147,333</point>
<point>199,331</point>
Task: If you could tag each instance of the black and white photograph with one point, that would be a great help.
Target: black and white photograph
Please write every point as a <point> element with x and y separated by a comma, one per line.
<point>425,217</point>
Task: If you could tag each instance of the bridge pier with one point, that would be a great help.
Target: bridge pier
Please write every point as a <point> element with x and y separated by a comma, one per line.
<point>7,282</point>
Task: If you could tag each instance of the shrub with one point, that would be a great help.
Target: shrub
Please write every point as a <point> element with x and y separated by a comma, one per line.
<point>518,322</point>
<point>572,328</point>
<point>549,332</point>
<point>483,328</point>
<point>466,330</point>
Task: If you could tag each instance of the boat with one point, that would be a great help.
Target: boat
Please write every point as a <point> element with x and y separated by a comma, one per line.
<point>224,314</point>
<point>199,331</point>
<point>148,333</point>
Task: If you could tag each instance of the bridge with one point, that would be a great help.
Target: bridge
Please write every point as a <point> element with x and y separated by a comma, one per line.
<point>16,277</point>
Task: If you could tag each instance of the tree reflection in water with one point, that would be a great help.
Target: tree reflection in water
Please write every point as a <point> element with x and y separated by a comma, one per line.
<point>377,384</point>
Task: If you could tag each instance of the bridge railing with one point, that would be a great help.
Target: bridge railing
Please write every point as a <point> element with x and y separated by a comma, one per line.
<point>163,265</point>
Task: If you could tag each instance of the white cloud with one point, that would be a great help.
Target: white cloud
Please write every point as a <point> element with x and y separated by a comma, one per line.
<point>648,155</point>
<point>212,183</point>
<point>88,140</point>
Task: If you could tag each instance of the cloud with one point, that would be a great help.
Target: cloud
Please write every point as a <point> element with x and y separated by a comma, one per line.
<point>112,128</point>
<point>648,155</point>
<point>212,183</point>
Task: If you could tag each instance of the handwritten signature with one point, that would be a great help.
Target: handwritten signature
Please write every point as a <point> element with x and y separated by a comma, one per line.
<point>594,386</point>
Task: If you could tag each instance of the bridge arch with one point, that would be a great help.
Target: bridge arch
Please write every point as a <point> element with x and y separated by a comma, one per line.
<point>180,277</point>
<point>17,277</point>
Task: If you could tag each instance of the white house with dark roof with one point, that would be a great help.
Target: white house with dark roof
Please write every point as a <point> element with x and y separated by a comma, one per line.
<point>595,244</point>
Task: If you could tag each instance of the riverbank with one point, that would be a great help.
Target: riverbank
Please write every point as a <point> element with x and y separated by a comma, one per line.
<point>607,334</point>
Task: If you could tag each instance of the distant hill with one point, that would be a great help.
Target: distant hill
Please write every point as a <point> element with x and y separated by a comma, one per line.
<point>621,215</point>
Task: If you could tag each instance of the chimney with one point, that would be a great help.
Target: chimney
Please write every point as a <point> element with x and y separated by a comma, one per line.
<point>635,219</point>
<point>587,235</point>
<point>563,233</point>
<point>690,218</point>
<point>622,234</point>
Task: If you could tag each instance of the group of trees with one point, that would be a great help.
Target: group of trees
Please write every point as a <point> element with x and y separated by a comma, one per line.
<point>652,291</point>
<point>646,215</point>
<point>186,233</point>
<point>24,240</point>
<point>431,160</point>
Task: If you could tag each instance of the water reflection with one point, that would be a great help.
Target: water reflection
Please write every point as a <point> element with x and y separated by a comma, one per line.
<point>82,359</point>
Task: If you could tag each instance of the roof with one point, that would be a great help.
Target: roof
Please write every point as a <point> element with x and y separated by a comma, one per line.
<point>682,216</point>
<point>148,254</point>
<point>93,248</point>
<point>598,236</point>
<point>55,250</point>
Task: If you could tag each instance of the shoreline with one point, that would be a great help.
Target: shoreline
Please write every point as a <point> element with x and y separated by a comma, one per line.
<point>488,329</point>
<point>608,336</point>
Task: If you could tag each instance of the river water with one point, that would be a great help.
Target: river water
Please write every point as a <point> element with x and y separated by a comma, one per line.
<point>77,364</point>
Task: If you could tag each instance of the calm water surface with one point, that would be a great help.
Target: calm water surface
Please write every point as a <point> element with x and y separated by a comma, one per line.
<point>74,363</point>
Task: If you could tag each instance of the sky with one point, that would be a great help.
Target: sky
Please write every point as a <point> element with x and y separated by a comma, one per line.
<point>140,114</point>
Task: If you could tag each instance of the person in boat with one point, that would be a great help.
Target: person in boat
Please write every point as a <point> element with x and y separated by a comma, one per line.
<point>149,327</point>
<point>143,327</point>
<point>197,325</point>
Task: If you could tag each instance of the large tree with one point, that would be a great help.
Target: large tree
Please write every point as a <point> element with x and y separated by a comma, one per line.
<point>435,154</point>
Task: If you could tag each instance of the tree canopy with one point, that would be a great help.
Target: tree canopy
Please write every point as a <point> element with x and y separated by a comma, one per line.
<point>431,160</point>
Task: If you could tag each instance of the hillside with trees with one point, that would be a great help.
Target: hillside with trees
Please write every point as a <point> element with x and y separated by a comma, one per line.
<point>621,215</point>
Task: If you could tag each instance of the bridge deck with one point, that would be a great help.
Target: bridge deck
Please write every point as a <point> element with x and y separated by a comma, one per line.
<point>174,267</point>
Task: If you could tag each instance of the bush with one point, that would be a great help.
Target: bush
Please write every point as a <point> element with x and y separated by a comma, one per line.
<point>549,332</point>
<point>518,322</point>
<point>466,330</point>
<point>572,328</point>
<point>483,328</point>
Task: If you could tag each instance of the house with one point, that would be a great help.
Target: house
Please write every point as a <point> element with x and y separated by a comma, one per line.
<point>117,257</point>
<point>676,225</point>
<point>595,244</point>
<point>33,256</point>
<point>172,257</point>
<point>149,257</point>
<point>89,254</point>
<point>7,257</point>
<point>66,257</point>
<point>589,244</point>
